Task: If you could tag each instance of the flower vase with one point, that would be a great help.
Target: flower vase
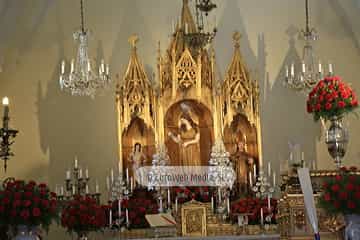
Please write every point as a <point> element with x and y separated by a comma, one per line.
<point>352,229</point>
<point>337,138</point>
<point>24,233</point>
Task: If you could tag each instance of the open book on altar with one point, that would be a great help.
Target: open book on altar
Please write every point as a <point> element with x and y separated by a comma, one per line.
<point>160,220</point>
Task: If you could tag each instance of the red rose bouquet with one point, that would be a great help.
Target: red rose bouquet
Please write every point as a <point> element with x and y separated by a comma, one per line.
<point>331,97</point>
<point>252,206</point>
<point>201,194</point>
<point>83,214</point>
<point>341,194</point>
<point>27,203</point>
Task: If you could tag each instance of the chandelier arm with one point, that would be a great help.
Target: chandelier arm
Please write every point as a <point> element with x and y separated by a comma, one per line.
<point>82,16</point>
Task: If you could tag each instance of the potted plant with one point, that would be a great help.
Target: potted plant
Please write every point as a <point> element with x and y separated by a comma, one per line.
<point>83,215</point>
<point>341,195</point>
<point>330,100</point>
<point>27,206</point>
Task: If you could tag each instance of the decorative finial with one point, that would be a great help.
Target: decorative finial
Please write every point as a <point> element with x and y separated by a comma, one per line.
<point>133,39</point>
<point>236,38</point>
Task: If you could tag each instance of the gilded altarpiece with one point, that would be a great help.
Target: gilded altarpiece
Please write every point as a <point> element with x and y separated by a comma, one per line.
<point>187,106</point>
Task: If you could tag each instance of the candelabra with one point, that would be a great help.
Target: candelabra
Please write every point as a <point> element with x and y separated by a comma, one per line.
<point>77,185</point>
<point>6,135</point>
<point>263,189</point>
<point>119,190</point>
<point>82,79</point>
<point>223,175</point>
<point>311,68</point>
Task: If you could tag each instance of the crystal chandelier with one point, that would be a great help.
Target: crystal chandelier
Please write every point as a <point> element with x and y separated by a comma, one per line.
<point>202,37</point>
<point>83,79</point>
<point>306,76</point>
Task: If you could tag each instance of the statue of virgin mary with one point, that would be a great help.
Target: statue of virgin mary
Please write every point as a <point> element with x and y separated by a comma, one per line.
<point>187,138</point>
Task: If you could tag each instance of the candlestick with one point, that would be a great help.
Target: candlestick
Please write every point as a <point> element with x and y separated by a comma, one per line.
<point>287,71</point>
<point>87,173</point>
<point>72,66</point>
<point>61,191</point>
<point>87,189</point>
<point>63,67</point>
<point>80,173</point>
<point>89,66</point>
<point>68,175</point>
<point>320,67</point>
<point>261,216</point>
<point>5,102</point>
<point>292,70</point>
<point>73,189</point>
<point>107,69</point>
<point>303,67</point>
<point>127,216</point>
<point>269,169</point>
<point>268,202</point>
<point>107,183</point>
<point>330,68</point>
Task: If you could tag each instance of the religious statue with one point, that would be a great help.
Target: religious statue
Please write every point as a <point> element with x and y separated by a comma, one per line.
<point>187,138</point>
<point>137,158</point>
<point>241,160</point>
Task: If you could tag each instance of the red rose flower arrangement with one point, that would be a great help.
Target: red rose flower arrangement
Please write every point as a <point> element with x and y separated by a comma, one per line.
<point>331,97</point>
<point>83,214</point>
<point>252,206</point>
<point>27,203</point>
<point>341,194</point>
<point>201,194</point>
<point>139,204</point>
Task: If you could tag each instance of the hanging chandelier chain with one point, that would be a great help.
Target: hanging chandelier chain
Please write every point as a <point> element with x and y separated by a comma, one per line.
<point>82,16</point>
<point>307,15</point>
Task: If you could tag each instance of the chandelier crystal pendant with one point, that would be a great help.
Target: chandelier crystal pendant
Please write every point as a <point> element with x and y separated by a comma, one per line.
<point>84,78</point>
<point>307,75</point>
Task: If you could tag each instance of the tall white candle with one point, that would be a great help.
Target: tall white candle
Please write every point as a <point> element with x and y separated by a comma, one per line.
<point>63,67</point>
<point>292,70</point>
<point>112,175</point>
<point>320,67</point>
<point>303,67</point>
<point>72,66</point>
<point>255,172</point>
<point>268,202</point>
<point>107,183</point>
<point>73,189</point>
<point>287,71</point>
<point>80,173</point>
<point>269,169</point>
<point>274,179</point>
<point>89,66</point>
<point>76,163</point>
<point>87,189</point>
<point>176,204</point>
<point>102,66</point>
<point>68,175</point>
<point>212,203</point>
<point>261,216</point>
<point>168,197</point>
<point>87,173</point>
<point>119,207</point>
<point>97,187</point>
<point>330,68</point>
<point>219,195</point>
<point>302,156</point>
<point>250,179</point>
<point>110,218</point>
<point>228,204</point>
<point>127,216</point>
<point>131,184</point>
<point>127,175</point>
<point>61,191</point>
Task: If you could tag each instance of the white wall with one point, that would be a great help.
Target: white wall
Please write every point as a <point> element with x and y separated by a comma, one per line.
<point>54,127</point>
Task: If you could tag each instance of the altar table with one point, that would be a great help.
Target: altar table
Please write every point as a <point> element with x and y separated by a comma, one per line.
<point>235,237</point>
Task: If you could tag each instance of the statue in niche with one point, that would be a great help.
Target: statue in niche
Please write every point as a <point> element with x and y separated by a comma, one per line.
<point>137,158</point>
<point>187,138</point>
<point>242,162</point>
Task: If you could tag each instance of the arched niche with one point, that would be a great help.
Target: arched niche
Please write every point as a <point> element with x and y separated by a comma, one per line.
<point>202,116</point>
<point>137,132</point>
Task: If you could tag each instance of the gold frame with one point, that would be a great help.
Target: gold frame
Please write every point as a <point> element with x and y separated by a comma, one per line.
<point>197,226</point>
